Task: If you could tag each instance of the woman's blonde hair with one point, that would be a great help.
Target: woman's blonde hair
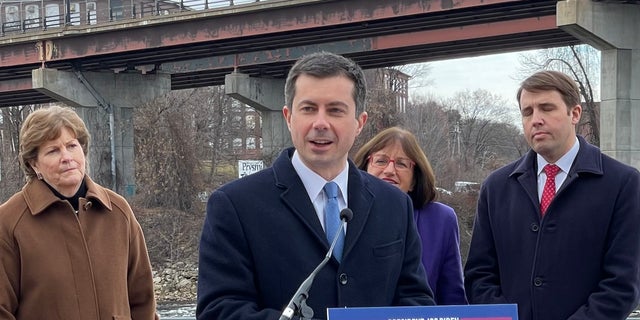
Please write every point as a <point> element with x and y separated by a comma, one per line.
<point>45,125</point>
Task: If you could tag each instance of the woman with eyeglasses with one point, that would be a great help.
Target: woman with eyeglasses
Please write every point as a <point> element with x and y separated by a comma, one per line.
<point>395,156</point>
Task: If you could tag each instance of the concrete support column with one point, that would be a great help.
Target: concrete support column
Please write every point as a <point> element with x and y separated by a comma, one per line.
<point>105,101</point>
<point>613,28</point>
<point>620,106</point>
<point>266,96</point>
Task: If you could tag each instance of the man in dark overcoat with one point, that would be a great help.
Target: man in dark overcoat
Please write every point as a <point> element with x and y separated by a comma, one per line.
<point>265,233</point>
<point>556,232</point>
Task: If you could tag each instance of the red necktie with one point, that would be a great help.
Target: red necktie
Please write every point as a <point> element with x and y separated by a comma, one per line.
<point>549,187</point>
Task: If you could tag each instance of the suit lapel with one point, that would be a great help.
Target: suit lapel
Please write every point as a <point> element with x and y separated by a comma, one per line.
<point>294,195</point>
<point>360,200</point>
<point>528,178</point>
<point>587,161</point>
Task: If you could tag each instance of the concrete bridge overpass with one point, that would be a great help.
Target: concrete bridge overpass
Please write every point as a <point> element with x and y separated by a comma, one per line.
<point>117,64</point>
<point>198,48</point>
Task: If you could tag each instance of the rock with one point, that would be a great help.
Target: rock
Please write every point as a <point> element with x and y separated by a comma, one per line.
<point>175,282</point>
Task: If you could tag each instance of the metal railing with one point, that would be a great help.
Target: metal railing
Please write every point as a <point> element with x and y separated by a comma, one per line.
<point>22,17</point>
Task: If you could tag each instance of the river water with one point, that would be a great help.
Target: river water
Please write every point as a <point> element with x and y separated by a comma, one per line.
<point>176,311</point>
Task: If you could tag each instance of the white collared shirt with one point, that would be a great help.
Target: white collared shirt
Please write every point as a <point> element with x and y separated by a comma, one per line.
<point>314,185</point>
<point>563,163</point>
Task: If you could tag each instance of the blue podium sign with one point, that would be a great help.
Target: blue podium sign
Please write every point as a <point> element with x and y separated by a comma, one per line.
<point>469,312</point>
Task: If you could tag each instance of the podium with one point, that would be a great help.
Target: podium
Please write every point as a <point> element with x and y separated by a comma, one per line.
<point>466,312</point>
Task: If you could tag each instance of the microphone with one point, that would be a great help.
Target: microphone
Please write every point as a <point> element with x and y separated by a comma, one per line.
<point>298,301</point>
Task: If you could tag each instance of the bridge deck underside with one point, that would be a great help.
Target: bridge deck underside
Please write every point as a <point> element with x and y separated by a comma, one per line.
<point>200,52</point>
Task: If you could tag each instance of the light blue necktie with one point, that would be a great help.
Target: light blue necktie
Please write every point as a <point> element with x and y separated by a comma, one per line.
<point>332,218</point>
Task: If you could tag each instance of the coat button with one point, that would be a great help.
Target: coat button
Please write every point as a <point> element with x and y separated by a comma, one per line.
<point>343,279</point>
<point>537,282</point>
<point>535,227</point>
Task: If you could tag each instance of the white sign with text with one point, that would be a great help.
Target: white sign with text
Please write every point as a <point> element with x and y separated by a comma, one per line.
<point>247,167</point>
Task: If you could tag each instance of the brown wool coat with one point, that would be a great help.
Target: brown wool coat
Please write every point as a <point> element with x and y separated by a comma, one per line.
<point>55,264</point>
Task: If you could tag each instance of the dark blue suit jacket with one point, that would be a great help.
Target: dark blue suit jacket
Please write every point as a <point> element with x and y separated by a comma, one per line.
<point>581,261</point>
<point>262,238</point>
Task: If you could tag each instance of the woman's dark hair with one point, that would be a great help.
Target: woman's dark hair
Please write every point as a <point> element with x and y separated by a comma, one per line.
<point>424,180</point>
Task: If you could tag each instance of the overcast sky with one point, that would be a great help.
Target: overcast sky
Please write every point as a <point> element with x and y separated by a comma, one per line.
<point>496,73</point>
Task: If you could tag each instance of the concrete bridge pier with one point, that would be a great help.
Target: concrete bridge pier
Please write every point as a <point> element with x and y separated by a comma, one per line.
<point>266,96</point>
<point>105,101</point>
<point>612,27</point>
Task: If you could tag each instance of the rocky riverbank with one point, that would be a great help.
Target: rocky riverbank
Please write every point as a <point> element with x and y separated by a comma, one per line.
<point>175,282</point>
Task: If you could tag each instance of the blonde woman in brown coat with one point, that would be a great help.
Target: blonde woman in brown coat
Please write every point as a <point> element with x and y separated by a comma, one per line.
<point>69,248</point>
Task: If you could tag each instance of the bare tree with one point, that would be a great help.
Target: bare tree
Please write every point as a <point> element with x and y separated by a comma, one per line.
<point>428,120</point>
<point>167,169</point>
<point>419,75</point>
<point>582,62</point>
<point>216,128</point>
<point>477,116</point>
<point>171,235</point>
<point>11,176</point>
<point>389,96</point>
<point>383,109</point>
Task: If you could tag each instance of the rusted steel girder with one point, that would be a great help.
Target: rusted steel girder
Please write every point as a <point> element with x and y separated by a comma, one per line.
<point>199,48</point>
<point>264,20</point>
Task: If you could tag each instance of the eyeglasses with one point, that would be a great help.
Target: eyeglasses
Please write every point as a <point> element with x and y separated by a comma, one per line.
<point>381,161</point>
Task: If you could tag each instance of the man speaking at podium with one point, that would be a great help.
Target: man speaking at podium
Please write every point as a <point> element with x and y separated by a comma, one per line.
<point>265,233</point>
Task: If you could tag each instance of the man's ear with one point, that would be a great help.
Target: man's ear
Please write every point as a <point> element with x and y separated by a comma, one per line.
<point>362,119</point>
<point>286,113</point>
<point>576,113</point>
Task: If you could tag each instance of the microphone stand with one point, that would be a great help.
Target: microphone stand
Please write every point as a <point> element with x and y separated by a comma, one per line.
<point>298,304</point>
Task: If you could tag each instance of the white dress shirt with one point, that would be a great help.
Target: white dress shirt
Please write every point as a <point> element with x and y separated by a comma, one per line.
<point>563,163</point>
<point>314,185</point>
